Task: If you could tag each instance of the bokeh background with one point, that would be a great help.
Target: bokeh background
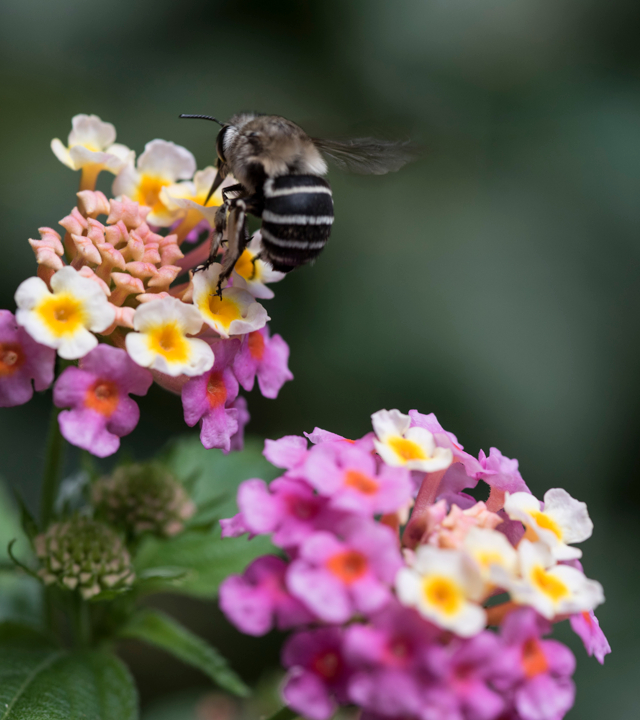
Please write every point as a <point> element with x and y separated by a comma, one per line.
<point>496,282</point>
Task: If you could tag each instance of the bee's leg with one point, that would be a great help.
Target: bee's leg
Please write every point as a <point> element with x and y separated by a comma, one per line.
<point>237,188</point>
<point>220,225</point>
<point>236,240</point>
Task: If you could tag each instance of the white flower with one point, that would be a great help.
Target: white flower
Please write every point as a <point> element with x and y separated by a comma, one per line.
<point>563,520</point>
<point>63,319</point>
<point>552,589</point>
<point>493,554</point>
<point>256,273</point>
<point>161,341</point>
<point>398,444</point>
<point>160,165</point>
<point>92,142</point>
<point>442,585</point>
<point>235,313</point>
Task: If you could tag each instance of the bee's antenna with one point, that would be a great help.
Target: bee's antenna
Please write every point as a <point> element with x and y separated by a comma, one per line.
<point>202,117</point>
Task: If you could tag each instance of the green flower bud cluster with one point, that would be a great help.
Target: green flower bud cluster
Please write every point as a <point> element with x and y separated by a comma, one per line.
<point>143,498</point>
<point>84,554</point>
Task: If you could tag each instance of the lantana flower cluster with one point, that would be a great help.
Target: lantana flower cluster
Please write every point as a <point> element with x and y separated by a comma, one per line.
<point>116,297</point>
<point>407,597</point>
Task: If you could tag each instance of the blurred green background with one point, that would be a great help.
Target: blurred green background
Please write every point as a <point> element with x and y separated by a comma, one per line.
<point>494,282</point>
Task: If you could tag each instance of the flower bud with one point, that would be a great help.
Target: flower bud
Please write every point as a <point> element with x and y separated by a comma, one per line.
<point>84,554</point>
<point>143,498</point>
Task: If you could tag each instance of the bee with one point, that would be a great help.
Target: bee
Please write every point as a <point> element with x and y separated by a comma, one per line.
<point>280,178</point>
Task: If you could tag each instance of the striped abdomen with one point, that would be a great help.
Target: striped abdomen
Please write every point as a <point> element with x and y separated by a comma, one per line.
<point>296,219</point>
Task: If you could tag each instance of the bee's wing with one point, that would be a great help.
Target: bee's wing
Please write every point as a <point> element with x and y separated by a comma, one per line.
<point>368,156</point>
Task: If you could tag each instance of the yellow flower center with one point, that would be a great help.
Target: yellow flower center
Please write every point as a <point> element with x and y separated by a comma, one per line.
<point>443,594</point>
<point>548,584</point>
<point>149,192</point>
<point>487,558</point>
<point>63,314</point>
<point>223,310</point>
<point>544,522</point>
<point>167,340</point>
<point>406,449</point>
<point>245,267</point>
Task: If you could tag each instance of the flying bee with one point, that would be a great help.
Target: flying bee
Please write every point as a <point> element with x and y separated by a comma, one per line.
<point>279,171</point>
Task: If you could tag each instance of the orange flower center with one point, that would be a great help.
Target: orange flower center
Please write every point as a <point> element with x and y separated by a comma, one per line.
<point>361,482</point>
<point>348,566</point>
<point>327,665</point>
<point>216,390</point>
<point>103,397</point>
<point>11,358</point>
<point>534,660</point>
<point>256,345</point>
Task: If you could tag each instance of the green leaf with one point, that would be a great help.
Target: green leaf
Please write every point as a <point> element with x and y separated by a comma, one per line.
<point>39,681</point>
<point>20,598</point>
<point>10,527</point>
<point>28,523</point>
<point>164,632</point>
<point>200,551</point>
<point>218,475</point>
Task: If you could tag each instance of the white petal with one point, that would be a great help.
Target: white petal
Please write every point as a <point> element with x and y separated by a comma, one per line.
<point>390,422</point>
<point>570,514</point>
<point>72,347</point>
<point>126,182</point>
<point>92,131</point>
<point>30,293</point>
<point>422,437</point>
<point>138,349</point>
<point>469,621</point>
<point>518,505</point>
<point>408,586</point>
<point>167,160</point>
<point>62,153</point>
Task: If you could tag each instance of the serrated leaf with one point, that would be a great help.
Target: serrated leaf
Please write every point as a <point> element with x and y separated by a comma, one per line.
<point>200,550</point>
<point>217,474</point>
<point>39,681</point>
<point>28,523</point>
<point>206,558</point>
<point>156,628</point>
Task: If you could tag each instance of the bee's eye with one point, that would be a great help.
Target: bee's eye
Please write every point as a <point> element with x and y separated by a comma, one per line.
<point>220,142</point>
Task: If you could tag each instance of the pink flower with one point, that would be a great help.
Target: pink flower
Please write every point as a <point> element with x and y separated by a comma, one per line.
<point>98,394</point>
<point>388,659</point>
<point>318,673</point>
<point>501,472</point>
<point>207,398</point>
<point>352,480</point>
<point>287,507</point>
<point>586,626</point>
<point>446,440</point>
<point>243,417</point>
<point>464,668</point>
<point>337,578</point>
<point>288,452</point>
<point>535,672</point>
<point>265,357</point>
<point>258,599</point>
<point>22,360</point>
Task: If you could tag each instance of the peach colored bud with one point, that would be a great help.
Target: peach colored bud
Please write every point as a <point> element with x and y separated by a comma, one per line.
<point>165,276</point>
<point>92,203</point>
<point>110,258</point>
<point>148,297</point>
<point>95,232</point>
<point>135,247</point>
<point>50,239</point>
<point>124,318</point>
<point>86,249</point>
<point>74,223</point>
<point>169,250</point>
<point>46,255</point>
<point>125,286</point>
<point>141,269</point>
<point>151,254</point>
<point>116,234</point>
<point>88,273</point>
<point>131,214</point>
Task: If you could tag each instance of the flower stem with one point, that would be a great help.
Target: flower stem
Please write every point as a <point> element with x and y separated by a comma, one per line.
<point>81,621</point>
<point>285,713</point>
<point>52,470</point>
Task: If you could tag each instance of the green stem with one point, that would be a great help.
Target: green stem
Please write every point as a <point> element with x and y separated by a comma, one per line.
<point>52,470</point>
<point>285,713</point>
<point>81,621</point>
